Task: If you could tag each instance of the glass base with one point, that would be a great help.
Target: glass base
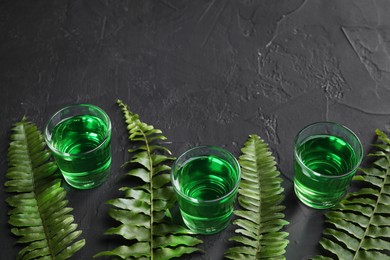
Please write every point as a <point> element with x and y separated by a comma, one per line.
<point>205,226</point>
<point>88,181</point>
<point>314,200</point>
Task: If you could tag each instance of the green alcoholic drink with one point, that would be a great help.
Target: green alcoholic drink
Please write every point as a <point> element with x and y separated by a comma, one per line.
<point>81,147</point>
<point>206,184</point>
<point>324,165</point>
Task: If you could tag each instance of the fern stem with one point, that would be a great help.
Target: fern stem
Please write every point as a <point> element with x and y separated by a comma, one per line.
<point>34,188</point>
<point>160,238</point>
<point>259,237</point>
<point>144,136</point>
<point>371,217</point>
<point>151,193</point>
<point>258,233</point>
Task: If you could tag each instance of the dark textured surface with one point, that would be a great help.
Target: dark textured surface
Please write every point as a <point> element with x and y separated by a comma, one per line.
<point>204,72</point>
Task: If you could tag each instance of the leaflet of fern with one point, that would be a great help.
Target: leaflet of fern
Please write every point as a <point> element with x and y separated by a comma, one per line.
<point>359,226</point>
<point>143,211</point>
<point>260,195</point>
<point>40,216</point>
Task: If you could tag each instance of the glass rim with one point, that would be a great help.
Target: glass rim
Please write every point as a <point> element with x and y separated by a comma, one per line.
<point>233,190</point>
<point>358,161</point>
<point>105,139</point>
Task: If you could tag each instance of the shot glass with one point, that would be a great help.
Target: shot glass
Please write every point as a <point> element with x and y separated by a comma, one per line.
<point>206,180</point>
<point>79,137</point>
<point>326,156</point>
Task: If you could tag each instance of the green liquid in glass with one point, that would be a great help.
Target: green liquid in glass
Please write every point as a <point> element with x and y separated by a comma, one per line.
<point>328,169</point>
<point>85,156</point>
<point>209,185</point>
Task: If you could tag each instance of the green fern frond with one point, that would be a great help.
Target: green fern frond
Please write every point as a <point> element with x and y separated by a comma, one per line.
<point>143,211</point>
<point>40,215</point>
<point>359,226</point>
<point>260,195</point>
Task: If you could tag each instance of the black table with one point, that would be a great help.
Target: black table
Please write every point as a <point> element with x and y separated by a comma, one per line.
<point>204,72</point>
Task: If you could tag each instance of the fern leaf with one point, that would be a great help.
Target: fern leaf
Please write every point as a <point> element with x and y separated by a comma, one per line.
<point>260,194</point>
<point>143,211</point>
<point>359,226</point>
<point>40,216</point>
